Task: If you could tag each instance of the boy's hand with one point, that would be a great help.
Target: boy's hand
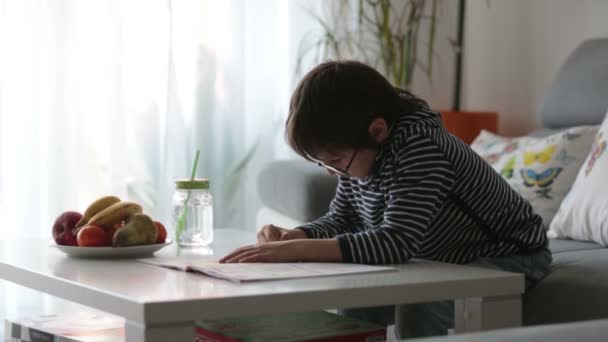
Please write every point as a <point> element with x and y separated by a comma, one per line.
<point>270,233</point>
<point>326,250</point>
<point>278,251</point>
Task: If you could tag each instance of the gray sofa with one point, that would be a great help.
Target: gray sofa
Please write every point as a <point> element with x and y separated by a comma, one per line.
<point>577,289</point>
<point>586,331</point>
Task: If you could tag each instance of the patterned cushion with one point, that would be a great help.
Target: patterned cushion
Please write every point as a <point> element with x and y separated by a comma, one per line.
<point>543,169</point>
<point>583,215</point>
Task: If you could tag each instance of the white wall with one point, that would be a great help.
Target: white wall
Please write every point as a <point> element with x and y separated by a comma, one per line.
<point>439,90</point>
<point>514,48</point>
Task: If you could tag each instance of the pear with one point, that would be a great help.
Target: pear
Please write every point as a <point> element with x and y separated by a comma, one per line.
<point>139,230</point>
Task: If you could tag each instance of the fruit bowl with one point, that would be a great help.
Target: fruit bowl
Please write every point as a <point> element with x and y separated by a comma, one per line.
<point>108,228</point>
<point>110,252</point>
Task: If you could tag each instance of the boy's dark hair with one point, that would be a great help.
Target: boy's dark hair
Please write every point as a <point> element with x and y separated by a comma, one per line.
<point>335,102</point>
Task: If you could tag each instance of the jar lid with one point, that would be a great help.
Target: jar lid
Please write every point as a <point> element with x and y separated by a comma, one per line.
<point>187,184</point>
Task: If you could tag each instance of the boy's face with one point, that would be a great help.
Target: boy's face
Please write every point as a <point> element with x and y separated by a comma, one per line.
<point>348,162</point>
<point>351,162</point>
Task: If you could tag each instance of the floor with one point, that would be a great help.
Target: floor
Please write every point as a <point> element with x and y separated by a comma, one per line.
<point>19,302</point>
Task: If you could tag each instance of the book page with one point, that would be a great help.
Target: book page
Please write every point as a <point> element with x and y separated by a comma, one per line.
<point>179,263</point>
<point>277,271</point>
<point>265,271</point>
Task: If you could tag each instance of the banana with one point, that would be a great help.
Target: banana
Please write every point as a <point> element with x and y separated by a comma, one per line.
<point>115,213</point>
<point>95,207</point>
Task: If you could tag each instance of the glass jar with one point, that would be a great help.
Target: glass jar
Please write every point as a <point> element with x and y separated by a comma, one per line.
<point>193,213</point>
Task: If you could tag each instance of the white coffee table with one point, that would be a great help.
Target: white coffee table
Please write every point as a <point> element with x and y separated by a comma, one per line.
<point>160,304</point>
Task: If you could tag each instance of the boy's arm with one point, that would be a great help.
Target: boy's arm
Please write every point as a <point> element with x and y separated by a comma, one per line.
<point>424,177</point>
<point>337,220</point>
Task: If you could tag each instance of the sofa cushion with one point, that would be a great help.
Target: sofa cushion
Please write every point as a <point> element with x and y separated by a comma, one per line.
<point>560,246</point>
<point>577,96</point>
<point>543,169</point>
<point>575,290</point>
<point>544,132</point>
<point>583,214</point>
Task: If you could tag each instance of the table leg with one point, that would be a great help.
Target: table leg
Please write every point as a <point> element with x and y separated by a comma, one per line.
<point>138,332</point>
<point>476,314</point>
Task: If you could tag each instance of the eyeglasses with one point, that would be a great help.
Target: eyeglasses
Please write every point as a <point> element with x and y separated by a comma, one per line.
<point>341,172</point>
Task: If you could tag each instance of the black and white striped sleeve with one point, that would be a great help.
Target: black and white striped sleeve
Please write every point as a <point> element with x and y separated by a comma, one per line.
<point>337,220</point>
<point>423,177</point>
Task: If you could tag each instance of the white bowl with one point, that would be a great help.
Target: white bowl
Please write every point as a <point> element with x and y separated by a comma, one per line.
<point>110,252</point>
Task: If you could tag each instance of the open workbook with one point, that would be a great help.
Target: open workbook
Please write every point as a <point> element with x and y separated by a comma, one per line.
<point>261,271</point>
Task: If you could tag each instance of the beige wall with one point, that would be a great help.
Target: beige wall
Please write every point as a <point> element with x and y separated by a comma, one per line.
<point>514,48</point>
<point>439,90</point>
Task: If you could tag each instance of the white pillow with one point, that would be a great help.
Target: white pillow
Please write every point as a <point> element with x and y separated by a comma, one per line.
<point>542,170</point>
<point>583,215</point>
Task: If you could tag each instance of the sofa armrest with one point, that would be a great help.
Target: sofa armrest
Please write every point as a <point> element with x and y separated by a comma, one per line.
<point>297,189</point>
<point>266,215</point>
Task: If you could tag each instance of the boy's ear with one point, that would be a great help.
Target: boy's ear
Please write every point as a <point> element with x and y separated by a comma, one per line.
<point>378,130</point>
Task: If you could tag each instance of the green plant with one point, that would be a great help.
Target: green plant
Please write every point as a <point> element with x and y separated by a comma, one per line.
<point>182,217</point>
<point>386,34</point>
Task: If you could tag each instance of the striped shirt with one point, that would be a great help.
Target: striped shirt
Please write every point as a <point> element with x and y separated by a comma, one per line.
<point>429,196</point>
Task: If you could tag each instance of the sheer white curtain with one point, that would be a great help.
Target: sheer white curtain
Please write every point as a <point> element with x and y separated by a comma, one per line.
<point>115,96</point>
<point>109,96</point>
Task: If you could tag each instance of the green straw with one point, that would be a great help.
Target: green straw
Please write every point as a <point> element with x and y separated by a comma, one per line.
<point>182,218</point>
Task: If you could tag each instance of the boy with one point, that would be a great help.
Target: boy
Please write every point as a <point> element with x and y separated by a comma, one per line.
<point>407,189</point>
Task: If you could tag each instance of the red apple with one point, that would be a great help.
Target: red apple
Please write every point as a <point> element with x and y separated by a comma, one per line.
<point>92,236</point>
<point>162,232</point>
<point>63,228</point>
<point>111,231</point>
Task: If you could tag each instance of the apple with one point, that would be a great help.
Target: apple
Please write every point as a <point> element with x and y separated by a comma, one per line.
<point>111,231</point>
<point>162,232</point>
<point>63,228</point>
<point>92,236</point>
